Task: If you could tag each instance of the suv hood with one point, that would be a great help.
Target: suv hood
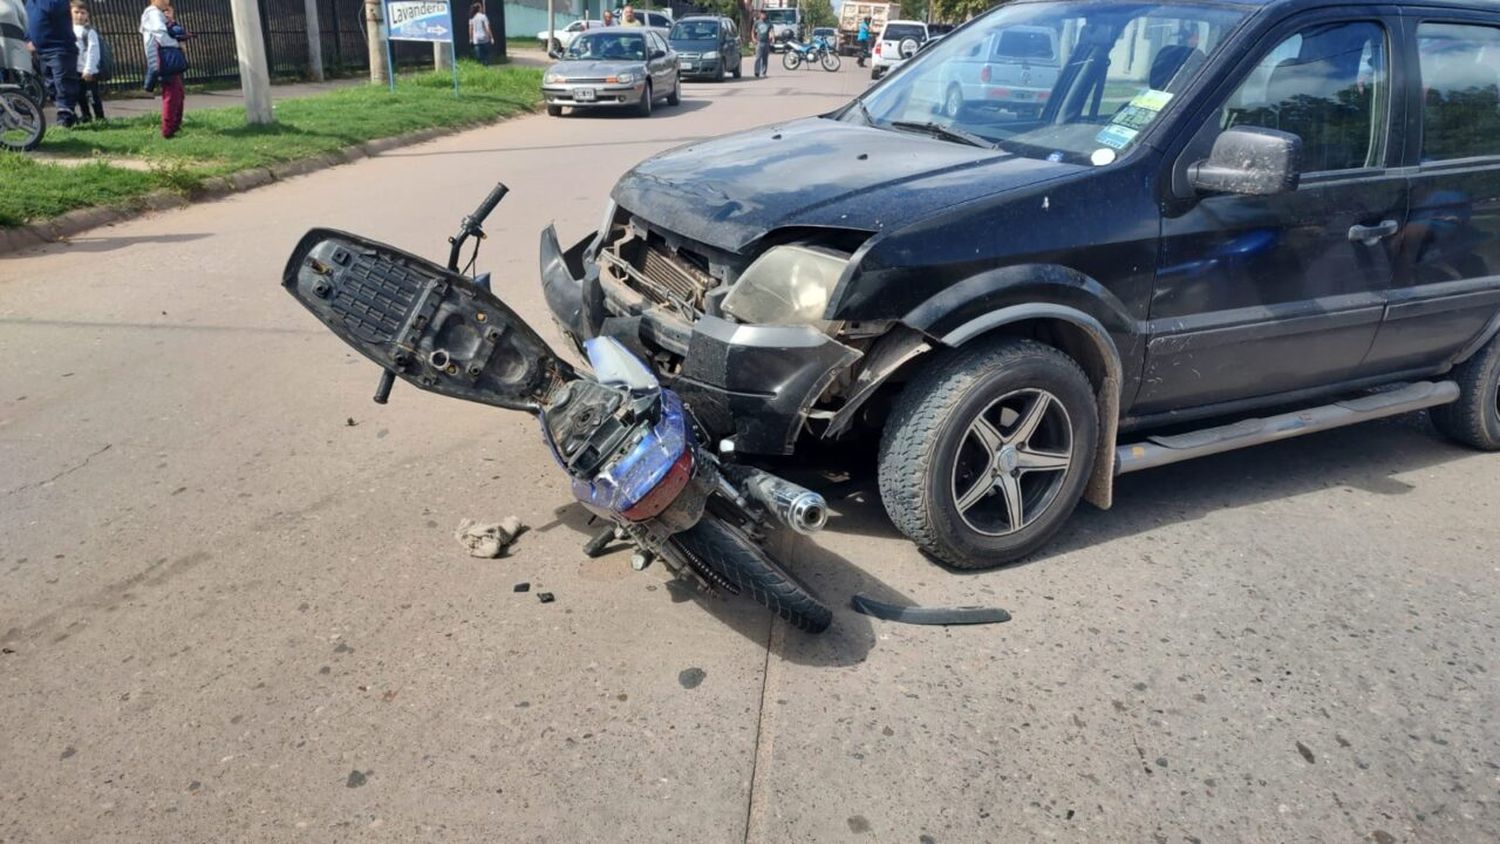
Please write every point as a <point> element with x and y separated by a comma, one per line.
<point>731,191</point>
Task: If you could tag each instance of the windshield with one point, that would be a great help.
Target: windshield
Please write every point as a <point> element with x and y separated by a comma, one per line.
<point>608,47</point>
<point>781,16</point>
<point>695,31</point>
<point>1066,81</point>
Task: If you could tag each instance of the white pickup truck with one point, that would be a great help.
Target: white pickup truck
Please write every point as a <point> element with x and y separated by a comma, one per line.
<point>1013,69</point>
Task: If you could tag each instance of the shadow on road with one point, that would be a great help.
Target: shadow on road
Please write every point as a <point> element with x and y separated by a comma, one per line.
<point>830,576</point>
<point>109,244</point>
<point>1363,458</point>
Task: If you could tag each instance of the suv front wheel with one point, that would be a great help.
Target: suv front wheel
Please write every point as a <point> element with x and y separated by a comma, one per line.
<point>987,451</point>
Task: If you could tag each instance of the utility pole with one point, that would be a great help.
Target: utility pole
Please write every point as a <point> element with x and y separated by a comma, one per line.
<point>551,24</point>
<point>380,72</point>
<point>314,41</point>
<point>250,48</point>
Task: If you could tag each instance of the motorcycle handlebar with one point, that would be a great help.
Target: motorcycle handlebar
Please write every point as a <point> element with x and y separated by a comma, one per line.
<point>489,203</point>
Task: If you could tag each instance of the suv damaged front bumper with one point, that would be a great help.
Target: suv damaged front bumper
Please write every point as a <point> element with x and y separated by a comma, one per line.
<point>754,384</point>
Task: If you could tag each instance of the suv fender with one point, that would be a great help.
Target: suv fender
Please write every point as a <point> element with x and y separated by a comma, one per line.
<point>1054,304</point>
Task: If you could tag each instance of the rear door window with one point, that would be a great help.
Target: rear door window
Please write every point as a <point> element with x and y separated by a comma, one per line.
<point>1032,44</point>
<point>1460,66</point>
<point>902,31</point>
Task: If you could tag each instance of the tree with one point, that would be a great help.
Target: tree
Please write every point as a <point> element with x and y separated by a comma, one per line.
<point>816,13</point>
<point>957,11</point>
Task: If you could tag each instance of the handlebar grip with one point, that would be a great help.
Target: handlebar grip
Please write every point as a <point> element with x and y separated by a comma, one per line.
<point>489,203</point>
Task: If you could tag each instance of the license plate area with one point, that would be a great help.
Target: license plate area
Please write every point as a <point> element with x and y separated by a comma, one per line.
<point>584,95</point>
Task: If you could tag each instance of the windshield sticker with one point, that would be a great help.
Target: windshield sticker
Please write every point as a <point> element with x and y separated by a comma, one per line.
<point>1137,114</point>
<point>1116,137</point>
<point>1102,157</point>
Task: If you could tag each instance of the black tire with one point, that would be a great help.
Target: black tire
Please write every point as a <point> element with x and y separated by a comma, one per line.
<point>933,452</point>
<point>1474,419</point>
<point>719,77</point>
<point>734,557</point>
<point>831,62</point>
<point>875,74</point>
<point>739,69</point>
<point>554,110</point>
<point>675,98</point>
<point>643,108</point>
<point>791,59</point>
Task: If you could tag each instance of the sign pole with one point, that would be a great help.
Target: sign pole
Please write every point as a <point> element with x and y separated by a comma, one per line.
<point>453,45</point>
<point>390,54</point>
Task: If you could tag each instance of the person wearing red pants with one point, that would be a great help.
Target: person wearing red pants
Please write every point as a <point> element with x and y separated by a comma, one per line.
<point>165,61</point>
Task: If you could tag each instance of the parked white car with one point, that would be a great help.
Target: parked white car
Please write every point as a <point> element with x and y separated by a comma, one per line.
<point>1013,69</point>
<point>563,37</point>
<point>898,41</point>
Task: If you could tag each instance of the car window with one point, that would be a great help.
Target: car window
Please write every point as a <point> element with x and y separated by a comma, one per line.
<point>1460,66</point>
<point>1025,43</point>
<point>695,31</point>
<point>902,31</point>
<point>653,19</point>
<point>575,26</point>
<point>608,47</point>
<point>1327,84</point>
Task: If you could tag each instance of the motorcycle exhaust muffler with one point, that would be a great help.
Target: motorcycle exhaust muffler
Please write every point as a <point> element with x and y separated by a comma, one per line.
<point>799,508</point>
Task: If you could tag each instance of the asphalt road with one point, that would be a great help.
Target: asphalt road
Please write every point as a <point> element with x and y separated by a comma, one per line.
<point>233,608</point>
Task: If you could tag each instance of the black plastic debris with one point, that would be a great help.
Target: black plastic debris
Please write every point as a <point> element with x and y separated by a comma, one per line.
<point>546,597</point>
<point>521,587</point>
<point>927,615</point>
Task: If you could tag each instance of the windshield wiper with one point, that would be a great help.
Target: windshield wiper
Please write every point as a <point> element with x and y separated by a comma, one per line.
<point>947,133</point>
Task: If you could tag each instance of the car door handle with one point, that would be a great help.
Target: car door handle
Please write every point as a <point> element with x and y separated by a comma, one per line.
<point>1371,235</point>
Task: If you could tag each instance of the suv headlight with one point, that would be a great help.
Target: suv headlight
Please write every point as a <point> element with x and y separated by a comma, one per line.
<point>625,78</point>
<point>788,285</point>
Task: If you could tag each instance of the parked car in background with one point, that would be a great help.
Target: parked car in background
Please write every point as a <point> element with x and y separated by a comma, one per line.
<point>564,36</point>
<point>1013,69</point>
<point>897,42</point>
<point>1231,223</point>
<point>614,67</point>
<point>707,47</point>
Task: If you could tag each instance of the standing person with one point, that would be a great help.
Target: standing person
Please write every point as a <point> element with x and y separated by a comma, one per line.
<point>863,39</point>
<point>628,18</point>
<point>89,54</point>
<point>762,46</point>
<point>49,25</point>
<point>480,34</point>
<point>157,32</point>
<point>609,18</point>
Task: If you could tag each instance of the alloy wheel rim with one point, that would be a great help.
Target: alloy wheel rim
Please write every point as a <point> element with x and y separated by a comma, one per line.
<point>1012,462</point>
<point>955,102</point>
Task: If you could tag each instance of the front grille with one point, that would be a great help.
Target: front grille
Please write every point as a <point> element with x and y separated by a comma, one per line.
<point>595,80</point>
<point>669,277</point>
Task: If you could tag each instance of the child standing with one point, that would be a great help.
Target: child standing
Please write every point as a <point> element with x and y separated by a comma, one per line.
<point>89,53</point>
<point>165,63</point>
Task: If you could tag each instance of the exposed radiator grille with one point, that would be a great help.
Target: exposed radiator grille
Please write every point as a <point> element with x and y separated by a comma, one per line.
<point>675,277</point>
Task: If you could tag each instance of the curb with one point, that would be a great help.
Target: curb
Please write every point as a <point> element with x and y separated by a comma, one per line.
<point>59,229</point>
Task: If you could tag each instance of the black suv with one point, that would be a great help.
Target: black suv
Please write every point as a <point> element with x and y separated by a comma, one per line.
<point>1210,225</point>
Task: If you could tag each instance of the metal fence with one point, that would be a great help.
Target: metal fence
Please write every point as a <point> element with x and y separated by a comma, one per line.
<point>211,53</point>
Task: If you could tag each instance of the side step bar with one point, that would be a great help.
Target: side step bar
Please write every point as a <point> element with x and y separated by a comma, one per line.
<point>1160,451</point>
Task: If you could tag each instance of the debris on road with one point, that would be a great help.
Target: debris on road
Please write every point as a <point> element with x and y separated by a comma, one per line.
<point>521,587</point>
<point>927,615</point>
<point>490,539</point>
<point>546,597</point>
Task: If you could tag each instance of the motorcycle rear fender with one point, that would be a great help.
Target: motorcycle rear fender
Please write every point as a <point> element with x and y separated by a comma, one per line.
<point>432,327</point>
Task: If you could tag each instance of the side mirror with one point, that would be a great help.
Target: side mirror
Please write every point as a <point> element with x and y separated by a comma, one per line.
<point>1251,161</point>
<point>658,54</point>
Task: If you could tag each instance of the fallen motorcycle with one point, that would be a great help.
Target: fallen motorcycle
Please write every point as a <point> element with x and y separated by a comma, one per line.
<point>630,446</point>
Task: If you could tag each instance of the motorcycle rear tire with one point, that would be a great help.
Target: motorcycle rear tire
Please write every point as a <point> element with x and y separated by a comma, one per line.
<point>791,59</point>
<point>729,553</point>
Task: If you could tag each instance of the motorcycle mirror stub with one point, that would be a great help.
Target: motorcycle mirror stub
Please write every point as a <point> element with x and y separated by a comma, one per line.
<point>431,327</point>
